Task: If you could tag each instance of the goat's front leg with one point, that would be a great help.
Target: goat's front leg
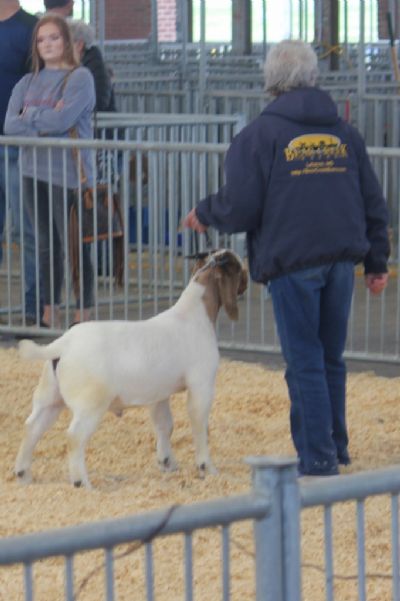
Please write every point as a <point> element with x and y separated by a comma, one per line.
<point>199,404</point>
<point>82,426</point>
<point>163,425</point>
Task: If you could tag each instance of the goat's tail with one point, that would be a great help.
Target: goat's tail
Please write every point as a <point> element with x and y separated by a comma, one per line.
<point>30,350</point>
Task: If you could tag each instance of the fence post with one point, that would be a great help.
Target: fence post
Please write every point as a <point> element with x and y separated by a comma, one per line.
<point>277,536</point>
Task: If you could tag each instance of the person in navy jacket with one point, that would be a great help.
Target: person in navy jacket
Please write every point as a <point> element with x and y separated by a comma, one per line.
<point>16,28</point>
<point>300,184</point>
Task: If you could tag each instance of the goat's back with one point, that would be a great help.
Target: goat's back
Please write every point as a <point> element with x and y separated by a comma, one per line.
<point>140,362</point>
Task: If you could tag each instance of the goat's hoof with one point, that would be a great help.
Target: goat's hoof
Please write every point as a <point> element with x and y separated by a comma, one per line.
<point>207,467</point>
<point>168,464</point>
<point>24,476</point>
<point>78,483</point>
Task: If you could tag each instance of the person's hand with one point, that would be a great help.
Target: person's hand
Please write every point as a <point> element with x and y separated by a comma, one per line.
<point>60,105</point>
<point>193,223</point>
<point>376,282</point>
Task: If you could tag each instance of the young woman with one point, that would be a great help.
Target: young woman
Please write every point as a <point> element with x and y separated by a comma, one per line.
<point>57,96</point>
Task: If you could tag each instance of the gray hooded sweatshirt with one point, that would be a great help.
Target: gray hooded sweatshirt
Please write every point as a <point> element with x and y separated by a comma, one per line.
<point>31,112</point>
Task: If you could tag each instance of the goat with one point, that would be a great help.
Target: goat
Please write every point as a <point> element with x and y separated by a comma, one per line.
<point>108,365</point>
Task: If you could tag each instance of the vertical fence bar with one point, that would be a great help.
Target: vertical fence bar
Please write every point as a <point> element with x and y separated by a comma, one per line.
<point>7,230</point>
<point>264,28</point>
<point>291,509</point>
<point>149,572</point>
<point>361,69</point>
<point>69,578</point>
<point>225,564</point>
<point>395,547</point>
<point>277,536</point>
<point>188,567</point>
<point>203,56</point>
<point>328,544</point>
<point>109,573</point>
<point>28,581</point>
<point>361,550</point>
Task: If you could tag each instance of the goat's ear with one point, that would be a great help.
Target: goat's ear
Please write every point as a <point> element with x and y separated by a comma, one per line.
<point>228,285</point>
<point>243,281</point>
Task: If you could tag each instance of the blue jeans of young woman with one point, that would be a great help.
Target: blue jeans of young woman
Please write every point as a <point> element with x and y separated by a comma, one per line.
<point>9,193</point>
<point>311,309</point>
<point>52,265</point>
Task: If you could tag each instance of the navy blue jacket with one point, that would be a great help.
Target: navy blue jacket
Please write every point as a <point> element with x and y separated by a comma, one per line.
<point>15,53</point>
<point>300,183</point>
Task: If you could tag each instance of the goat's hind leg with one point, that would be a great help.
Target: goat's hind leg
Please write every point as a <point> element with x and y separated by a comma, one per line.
<point>47,405</point>
<point>163,425</point>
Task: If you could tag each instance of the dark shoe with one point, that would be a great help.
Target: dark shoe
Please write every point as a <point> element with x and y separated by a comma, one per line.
<point>344,459</point>
<point>319,468</point>
<point>31,321</point>
<point>317,475</point>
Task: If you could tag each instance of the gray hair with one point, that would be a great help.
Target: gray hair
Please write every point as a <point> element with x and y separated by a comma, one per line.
<point>82,32</point>
<point>290,64</point>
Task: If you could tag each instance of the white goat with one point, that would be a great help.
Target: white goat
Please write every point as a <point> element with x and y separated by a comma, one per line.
<point>108,365</point>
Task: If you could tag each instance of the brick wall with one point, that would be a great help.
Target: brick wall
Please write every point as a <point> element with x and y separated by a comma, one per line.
<point>166,20</point>
<point>131,19</point>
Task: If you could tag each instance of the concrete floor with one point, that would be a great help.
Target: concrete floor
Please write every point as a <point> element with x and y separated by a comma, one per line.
<point>275,361</point>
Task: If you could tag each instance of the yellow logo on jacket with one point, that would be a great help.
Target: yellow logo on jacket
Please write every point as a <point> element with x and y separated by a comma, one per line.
<point>315,147</point>
<point>318,152</point>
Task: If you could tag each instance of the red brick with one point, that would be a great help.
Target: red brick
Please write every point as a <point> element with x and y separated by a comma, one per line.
<point>131,19</point>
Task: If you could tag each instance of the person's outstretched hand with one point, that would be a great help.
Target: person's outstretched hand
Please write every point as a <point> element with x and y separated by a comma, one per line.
<point>376,282</point>
<point>191,221</point>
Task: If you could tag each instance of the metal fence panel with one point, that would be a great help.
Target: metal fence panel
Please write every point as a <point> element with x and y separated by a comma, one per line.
<point>159,183</point>
<point>276,505</point>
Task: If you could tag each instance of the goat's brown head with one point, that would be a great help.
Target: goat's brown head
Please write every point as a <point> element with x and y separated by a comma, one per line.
<point>229,274</point>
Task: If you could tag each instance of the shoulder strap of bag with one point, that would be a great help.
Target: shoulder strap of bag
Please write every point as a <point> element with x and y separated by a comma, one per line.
<point>73,133</point>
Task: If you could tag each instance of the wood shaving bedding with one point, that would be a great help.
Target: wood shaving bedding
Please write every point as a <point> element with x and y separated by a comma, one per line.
<point>249,417</point>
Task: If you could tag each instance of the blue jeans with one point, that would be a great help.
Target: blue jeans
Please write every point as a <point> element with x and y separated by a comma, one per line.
<point>10,198</point>
<point>311,309</point>
<point>52,264</point>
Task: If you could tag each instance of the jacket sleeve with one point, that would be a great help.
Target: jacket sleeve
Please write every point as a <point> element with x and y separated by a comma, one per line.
<point>15,124</point>
<point>238,205</point>
<point>376,214</point>
<point>78,96</point>
<point>102,82</point>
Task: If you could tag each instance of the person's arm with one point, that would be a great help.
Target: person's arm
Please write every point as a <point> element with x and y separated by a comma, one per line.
<point>376,216</point>
<point>238,205</point>
<point>78,96</point>
<point>15,124</point>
